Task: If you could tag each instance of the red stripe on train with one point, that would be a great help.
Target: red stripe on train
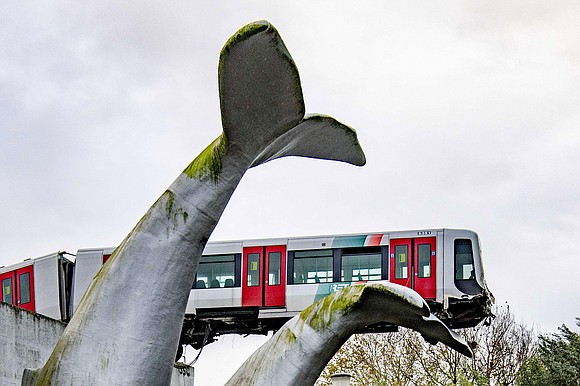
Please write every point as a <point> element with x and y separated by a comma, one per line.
<point>374,240</point>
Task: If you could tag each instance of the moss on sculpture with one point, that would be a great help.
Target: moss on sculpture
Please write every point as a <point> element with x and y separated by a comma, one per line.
<point>321,314</point>
<point>172,211</point>
<point>244,33</point>
<point>209,162</point>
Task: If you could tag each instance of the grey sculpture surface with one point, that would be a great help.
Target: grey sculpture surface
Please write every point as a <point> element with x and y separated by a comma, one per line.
<point>299,351</point>
<point>127,326</point>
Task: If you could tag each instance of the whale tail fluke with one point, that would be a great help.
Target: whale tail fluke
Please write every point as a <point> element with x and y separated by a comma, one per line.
<point>262,105</point>
<point>298,352</point>
<point>317,136</point>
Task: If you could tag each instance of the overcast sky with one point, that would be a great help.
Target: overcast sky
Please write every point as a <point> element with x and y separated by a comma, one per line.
<point>468,112</point>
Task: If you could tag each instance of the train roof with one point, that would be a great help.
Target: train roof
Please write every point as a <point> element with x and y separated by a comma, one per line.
<point>27,262</point>
<point>294,243</point>
<point>425,232</point>
<point>326,241</point>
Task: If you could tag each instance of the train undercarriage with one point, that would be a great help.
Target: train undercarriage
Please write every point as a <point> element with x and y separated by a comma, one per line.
<point>207,325</point>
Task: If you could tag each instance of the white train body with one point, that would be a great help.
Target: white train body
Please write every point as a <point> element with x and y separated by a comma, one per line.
<point>254,286</point>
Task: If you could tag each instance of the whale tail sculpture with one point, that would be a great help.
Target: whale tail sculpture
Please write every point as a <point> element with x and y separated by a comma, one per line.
<point>299,351</point>
<point>126,329</point>
<point>263,113</point>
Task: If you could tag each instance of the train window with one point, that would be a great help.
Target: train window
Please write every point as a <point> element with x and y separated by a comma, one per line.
<point>7,290</point>
<point>401,262</point>
<point>424,260</point>
<point>24,287</point>
<point>464,260</point>
<point>274,259</point>
<point>253,269</point>
<point>361,266</point>
<point>313,266</point>
<point>216,272</point>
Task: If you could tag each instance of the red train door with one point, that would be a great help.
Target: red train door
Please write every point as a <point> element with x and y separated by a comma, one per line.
<point>275,283</point>
<point>264,276</point>
<point>413,264</point>
<point>424,262</point>
<point>8,293</point>
<point>18,287</point>
<point>252,283</point>
<point>25,288</point>
<point>401,267</point>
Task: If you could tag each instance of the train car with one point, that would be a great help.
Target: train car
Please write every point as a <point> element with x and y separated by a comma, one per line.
<point>41,285</point>
<point>87,264</point>
<point>255,286</point>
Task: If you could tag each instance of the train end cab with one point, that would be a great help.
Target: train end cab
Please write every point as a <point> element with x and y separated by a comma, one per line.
<point>40,285</point>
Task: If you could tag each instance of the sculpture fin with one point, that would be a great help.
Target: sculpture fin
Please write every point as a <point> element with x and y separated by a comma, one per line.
<point>317,136</point>
<point>298,352</point>
<point>262,105</point>
<point>259,87</point>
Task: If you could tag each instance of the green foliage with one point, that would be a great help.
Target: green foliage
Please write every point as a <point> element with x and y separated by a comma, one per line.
<point>376,359</point>
<point>557,360</point>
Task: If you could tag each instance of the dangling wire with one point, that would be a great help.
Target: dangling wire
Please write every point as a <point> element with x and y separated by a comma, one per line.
<point>205,338</point>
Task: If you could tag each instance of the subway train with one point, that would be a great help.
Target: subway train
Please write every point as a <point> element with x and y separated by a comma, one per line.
<point>255,286</point>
